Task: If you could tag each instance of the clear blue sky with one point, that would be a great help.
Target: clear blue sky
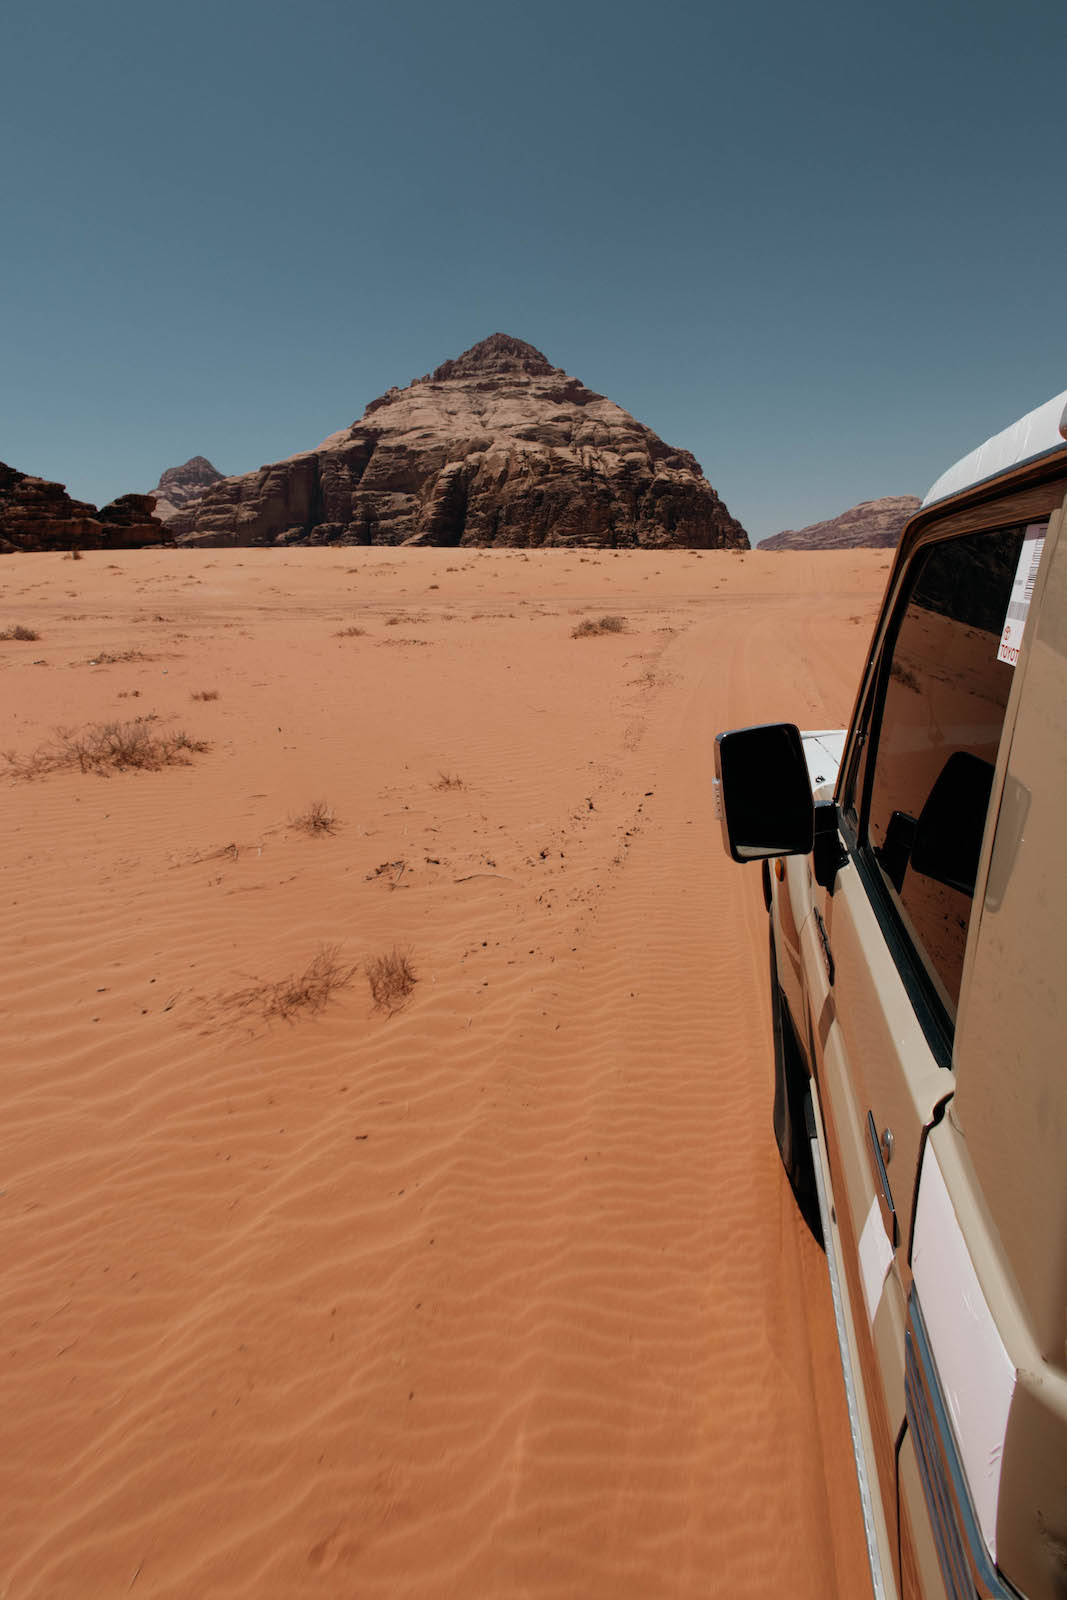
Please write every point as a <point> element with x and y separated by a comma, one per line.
<point>824,247</point>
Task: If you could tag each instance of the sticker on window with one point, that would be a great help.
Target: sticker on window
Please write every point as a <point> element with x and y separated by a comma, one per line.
<point>1021,592</point>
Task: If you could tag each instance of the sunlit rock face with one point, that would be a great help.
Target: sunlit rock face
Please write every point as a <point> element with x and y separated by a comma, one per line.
<point>875,524</point>
<point>494,448</point>
<point>179,487</point>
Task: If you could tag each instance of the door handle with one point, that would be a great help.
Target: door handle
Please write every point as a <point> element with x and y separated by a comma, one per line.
<point>881,1181</point>
<point>824,942</point>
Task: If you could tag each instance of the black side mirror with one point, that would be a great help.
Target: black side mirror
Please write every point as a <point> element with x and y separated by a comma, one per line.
<point>763,792</point>
<point>948,834</point>
<point>895,854</point>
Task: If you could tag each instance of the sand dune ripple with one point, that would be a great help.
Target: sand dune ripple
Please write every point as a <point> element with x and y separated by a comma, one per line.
<point>503,1294</point>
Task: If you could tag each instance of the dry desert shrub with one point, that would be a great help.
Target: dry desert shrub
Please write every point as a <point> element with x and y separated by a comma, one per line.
<point>906,676</point>
<point>350,633</point>
<point>114,658</point>
<point>204,694</point>
<point>448,780</point>
<point>391,978</point>
<point>391,871</point>
<point>586,629</point>
<point>19,632</point>
<point>73,555</point>
<point>309,990</point>
<point>107,747</point>
<point>319,818</point>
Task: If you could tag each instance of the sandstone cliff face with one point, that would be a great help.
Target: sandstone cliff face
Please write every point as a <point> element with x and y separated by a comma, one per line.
<point>497,447</point>
<point>179,487</point>
<point>875,524</point>
<point>38,515</point>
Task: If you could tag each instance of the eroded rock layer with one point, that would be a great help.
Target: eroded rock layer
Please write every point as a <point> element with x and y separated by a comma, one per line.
<point>38,515</point>
<point>497,447</point>
<point>874,524</point>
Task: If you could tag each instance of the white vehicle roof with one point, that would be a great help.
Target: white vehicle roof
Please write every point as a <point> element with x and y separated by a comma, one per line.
<point>1036,434</point>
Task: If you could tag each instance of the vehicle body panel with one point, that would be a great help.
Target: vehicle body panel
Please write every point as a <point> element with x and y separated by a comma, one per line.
<point>941,1131</point>
<point>1011,1027</point>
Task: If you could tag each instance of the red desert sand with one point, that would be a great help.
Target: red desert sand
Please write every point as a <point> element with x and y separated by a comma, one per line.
<point>390,1204</point>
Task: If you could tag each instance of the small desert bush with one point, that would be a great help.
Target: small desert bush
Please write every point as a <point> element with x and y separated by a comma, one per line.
<point>586,629</point>
<point>107,747</point>
<point>350,633</point>
<point>319,818</point>
<point>114,658</point>
<point>391,978</point>
<point>448,780</point>
<point>408,617</point>
<point>204,694</point>
<point>73,555</point>
<point>19,632</point>
<point>309,990</point>
<point>906,676</point>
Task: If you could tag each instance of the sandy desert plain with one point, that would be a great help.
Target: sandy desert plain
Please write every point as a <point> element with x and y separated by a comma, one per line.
<point>497,1291</point>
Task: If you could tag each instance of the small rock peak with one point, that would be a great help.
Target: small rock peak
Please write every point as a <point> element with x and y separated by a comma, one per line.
<point>196,472</point>
<point>498,356</point>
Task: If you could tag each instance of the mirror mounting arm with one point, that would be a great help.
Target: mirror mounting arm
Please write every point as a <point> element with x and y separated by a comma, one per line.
<point>828,853</point>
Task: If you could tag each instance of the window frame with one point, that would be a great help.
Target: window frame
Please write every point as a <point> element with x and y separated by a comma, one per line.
<point>1027,493</point>
<point>854,805</point>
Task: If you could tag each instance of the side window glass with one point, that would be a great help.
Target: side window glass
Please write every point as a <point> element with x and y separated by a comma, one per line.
<point>943,708</point>
<point>856,776</point>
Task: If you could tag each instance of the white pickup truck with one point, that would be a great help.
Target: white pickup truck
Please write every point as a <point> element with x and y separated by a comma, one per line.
<point>915,874</point>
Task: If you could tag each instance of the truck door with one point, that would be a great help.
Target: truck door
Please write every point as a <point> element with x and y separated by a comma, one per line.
<point>883,947</point>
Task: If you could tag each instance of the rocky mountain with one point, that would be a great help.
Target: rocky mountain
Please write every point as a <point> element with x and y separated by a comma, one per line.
<point>38,515</point>
<point>875,524</point>
<point>178,487</point>
<point>496,447</point>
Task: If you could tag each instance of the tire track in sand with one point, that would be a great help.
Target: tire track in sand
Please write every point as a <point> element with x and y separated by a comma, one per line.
<point>504,1297</point>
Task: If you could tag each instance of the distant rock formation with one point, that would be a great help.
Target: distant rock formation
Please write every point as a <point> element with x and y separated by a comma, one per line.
<point>38,515</point>
<point>179,487</point>
<point>497,447</point>
<point>875,525</point>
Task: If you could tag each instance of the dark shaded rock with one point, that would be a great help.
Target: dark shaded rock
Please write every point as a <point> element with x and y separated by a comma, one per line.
<point>38,515</point>
<point>178,487</point>
<point>498,356</point>
<point>874,525</point>
<point>496,447</point>
<point>133,519</point>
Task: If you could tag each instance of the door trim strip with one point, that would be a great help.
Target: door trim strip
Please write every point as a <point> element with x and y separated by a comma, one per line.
<point>829,1233</point>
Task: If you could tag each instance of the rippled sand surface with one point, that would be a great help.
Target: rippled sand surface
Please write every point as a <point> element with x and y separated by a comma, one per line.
<point>500,1293</point>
